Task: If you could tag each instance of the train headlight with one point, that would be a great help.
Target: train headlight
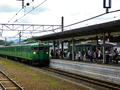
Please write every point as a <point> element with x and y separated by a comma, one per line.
<point>34,52</point>
<point>46,52</point>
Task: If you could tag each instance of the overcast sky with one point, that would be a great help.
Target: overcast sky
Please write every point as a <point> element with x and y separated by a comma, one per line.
<point>51,11</point>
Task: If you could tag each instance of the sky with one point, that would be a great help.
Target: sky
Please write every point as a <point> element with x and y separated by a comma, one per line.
<point>51,11</point>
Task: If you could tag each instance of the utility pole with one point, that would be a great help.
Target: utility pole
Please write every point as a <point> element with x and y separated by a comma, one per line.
<point>62,23</point>
<point>62,26</point>
<point>20,37</point>
<point>5,41</point>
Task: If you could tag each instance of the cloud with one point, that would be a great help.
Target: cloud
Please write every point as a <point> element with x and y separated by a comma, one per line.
<point>5,8</point>
<point>36,11</point>
<point>24,20</point>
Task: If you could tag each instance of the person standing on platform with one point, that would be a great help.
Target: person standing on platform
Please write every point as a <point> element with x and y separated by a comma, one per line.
<point>65,52</point>
<point>79,54</point>
<point>84,55</point>
<point>107,56</point>
<point>114,57</point>
<point>116,52</point>
<point>88,53</point>
<point>94,55</point>
<point>99,55</point>
<point>56,52</point>
<point>52,53</point>
<point>91,55</point>
<point>60,53</point>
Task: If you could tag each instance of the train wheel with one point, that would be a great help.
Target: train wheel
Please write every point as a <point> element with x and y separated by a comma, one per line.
<point>30,62</point>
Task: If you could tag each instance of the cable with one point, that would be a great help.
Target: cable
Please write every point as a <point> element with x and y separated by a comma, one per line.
<point>30,11</point>
<point>76,22</point>
<point>14,15</point>
<point>92,18</point>
<point>19,11</point>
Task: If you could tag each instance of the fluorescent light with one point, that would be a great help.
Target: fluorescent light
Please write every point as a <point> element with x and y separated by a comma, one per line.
<point>115,35</point>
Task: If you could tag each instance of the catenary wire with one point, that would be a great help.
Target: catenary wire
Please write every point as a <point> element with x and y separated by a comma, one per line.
<point>30,11</point>
<point>92,18</point>
<point>19,12</point>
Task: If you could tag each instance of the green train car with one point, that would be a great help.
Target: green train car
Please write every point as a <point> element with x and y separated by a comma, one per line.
<point>36,52</point>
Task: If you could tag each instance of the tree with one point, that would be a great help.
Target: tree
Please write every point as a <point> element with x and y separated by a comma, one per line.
<point>69,43</point>
<point>30,40</point>
<point>11,42</point>
<point>2,42</point>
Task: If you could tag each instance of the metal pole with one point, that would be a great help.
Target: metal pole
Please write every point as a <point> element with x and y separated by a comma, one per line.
<point>20,37</point>
<point>97,43</point>
<point>104,47</point>
<point>62,49</point>
<point>54,45</point>
<point>73,49</point>
<point>62,31</point>
<point>62,23</point>
<point>5,40</point>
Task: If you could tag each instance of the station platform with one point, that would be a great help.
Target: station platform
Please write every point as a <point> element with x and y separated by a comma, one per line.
<point>109,72</point>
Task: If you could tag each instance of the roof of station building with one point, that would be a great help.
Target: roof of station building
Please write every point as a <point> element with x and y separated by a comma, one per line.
<point>107,27</point>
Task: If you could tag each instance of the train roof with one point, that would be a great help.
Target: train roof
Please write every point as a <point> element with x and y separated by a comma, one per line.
<point>81,44</point>
<point>91,44</point>
<point>32,44</point>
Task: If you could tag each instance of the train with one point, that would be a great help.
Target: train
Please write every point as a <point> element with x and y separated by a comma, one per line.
<point>32,53</point>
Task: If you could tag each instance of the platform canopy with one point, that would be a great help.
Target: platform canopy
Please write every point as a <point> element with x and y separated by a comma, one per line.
<point>111,30</point>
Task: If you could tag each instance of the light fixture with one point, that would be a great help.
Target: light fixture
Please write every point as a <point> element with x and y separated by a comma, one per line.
<point>86,38</point>
<point>115,35</point>
<point>34,52</point>
<point>76,39</point>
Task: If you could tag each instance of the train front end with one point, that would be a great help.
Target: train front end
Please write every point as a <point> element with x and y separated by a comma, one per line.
<point>43,54</point>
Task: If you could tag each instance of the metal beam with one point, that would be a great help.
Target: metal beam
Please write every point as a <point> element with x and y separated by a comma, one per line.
<point>24,28</point>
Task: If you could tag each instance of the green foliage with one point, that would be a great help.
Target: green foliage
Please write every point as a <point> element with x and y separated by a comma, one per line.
<point>2,42</point>
<point>30,39</point>
<point>69,43</point>
<point>79,42</point>
<point>55,83</point>
<point>11,42</point>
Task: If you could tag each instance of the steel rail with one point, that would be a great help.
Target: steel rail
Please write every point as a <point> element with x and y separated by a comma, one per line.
<point>19,87</point>
<point>2,86</point>
<point>107,84</point>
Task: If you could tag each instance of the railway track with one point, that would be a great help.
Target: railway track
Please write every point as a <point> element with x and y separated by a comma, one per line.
<point>99,82</point>
<point>7,83</point>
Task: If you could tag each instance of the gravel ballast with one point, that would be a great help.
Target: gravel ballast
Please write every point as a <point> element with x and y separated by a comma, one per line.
<point>31,78</point>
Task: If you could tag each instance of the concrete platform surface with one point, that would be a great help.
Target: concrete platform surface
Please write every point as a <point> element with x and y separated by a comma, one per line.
<point>109,72</point>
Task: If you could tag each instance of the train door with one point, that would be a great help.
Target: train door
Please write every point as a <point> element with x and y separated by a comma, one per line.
<point>46,52</point>
<point>41,52</point>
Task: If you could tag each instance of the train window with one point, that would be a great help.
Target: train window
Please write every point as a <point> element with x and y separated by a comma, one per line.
<point>28,49</point>
<point>40,45</point>
<point>24,49</point>
<point>34,48</point>
<point>40,48</point>
<point>46,48</point>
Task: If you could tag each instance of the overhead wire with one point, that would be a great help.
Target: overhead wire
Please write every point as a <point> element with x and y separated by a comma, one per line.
<point>30,11</point>
<point>92,18</point>
<point>15,15</point>
<point>19,12</point>
<point>70,24</point>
